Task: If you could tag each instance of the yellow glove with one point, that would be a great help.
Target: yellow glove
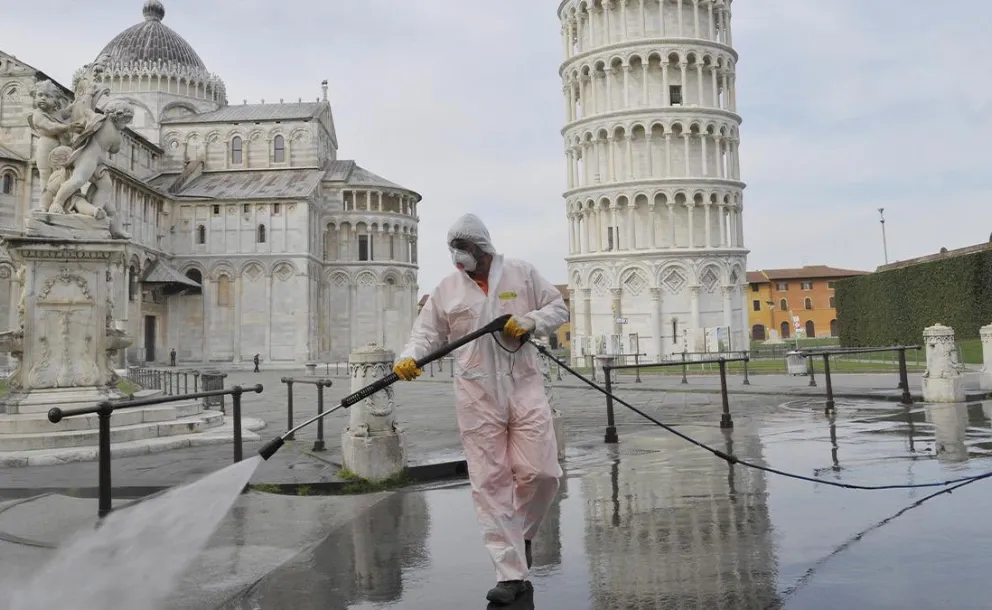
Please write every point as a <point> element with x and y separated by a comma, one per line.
<point>517,327</point>
<point>407,369</point>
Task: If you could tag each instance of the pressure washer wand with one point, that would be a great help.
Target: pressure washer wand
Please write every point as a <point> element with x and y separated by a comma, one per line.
<point>269,449</point>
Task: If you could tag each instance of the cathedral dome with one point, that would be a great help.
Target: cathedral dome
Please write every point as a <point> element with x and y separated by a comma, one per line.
<point>153,42</point>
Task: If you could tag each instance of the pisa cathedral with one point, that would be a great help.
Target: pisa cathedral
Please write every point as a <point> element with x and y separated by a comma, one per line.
<point>249,234</point>
<point>656,260</point>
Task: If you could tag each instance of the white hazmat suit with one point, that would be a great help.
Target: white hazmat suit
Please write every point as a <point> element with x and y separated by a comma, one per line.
<point>503,413</point>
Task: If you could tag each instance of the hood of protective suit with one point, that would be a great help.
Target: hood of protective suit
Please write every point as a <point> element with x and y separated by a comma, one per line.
<point>471,228</point>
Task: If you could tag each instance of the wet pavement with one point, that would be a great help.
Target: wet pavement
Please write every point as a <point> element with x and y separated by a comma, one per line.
<point>650,523</point>
<point>656,523</point>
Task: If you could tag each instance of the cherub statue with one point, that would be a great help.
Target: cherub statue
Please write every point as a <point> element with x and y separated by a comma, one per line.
<point>88,95</point>
<point>100,137</point>
<point>49,122</point>
<point>77,204</point>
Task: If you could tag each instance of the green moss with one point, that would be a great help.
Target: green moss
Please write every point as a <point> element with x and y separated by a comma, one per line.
<point>127,388</point>
<point>358,485</point>
<point>267,488</point>
<point>304,490</point>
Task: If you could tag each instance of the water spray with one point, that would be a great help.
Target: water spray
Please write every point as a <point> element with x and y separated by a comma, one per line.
<point>270,448</point>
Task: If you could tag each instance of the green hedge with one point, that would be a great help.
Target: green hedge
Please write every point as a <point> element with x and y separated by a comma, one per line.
<point>893,307</point>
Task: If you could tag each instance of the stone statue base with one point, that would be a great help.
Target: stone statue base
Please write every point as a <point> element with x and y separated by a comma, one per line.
<point>65,340</point>
<point>943,389</point>
<point>377,457</point>
<point>559,425</point>
<point>68,226</point>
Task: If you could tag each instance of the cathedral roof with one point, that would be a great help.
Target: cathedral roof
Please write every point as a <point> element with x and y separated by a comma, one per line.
<point>151,41</point>
<point>6,153</point>
<point>255,184</point>
<point>352,174</point>
<point>254,112</point>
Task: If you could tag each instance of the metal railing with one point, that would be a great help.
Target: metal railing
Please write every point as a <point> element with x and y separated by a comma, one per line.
<point>172,382</point>
<point>827,352</point>
<point>318,444</point>
<point>105,410</point>
<point>726,421</point>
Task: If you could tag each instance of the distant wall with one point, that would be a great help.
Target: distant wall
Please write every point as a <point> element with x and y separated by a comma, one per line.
<point>893,307</point>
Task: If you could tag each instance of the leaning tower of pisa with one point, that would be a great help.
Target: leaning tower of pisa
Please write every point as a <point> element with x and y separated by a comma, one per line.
<point>656,259</point>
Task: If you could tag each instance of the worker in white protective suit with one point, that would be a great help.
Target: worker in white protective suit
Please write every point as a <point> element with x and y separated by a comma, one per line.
<point>503,414</point>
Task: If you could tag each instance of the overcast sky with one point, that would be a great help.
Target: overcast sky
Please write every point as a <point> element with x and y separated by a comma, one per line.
<point>848,106</point>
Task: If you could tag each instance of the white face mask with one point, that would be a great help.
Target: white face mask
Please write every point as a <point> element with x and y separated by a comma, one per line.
<point>463,260</point>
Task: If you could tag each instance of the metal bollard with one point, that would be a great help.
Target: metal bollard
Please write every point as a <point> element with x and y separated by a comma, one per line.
<point>104,501</point>
<point>747,358</point>
<point>452,368</point>
<point>637,368</point>
<point>318,445</point>
<point>236,399</point>
<point>811,371</point>
<point>196,382</point>
<point>289,407</point>
<point>725,419</point>
<point>830,387</point>
<point>684,378</point>
<point>611,426</point>
<point>185,382</point>
<point>907,398</point>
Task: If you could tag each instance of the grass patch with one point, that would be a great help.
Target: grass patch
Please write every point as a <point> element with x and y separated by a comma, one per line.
<point>304,490</point>
<point>357,485</point>
<point>267,488</point>
<point>127,388</point>
<point>971,351</point>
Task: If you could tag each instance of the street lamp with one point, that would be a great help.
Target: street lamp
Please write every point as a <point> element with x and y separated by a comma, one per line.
<point>885,247</point>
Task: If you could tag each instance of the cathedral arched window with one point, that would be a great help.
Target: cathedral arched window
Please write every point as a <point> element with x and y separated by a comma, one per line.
<point>201,234</point>
<point>279,149</point>
<point>132,285</point>
<point>260,238</point>
<point>237,150</point>
<point>7,184</point>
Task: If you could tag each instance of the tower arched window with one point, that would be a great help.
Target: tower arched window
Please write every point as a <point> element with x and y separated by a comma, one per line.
<point>201,234</point>
<point>260,237</point>
<point>237,150</point>
<point>7,184</point>
<point>783,305</point>
<point>279,149</point>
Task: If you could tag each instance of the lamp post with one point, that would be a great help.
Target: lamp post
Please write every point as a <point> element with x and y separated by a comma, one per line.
<point>885,247</point>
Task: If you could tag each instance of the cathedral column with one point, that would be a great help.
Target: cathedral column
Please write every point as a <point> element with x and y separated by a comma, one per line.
<point>610,146</point>
<point>656,322</point>
<point>665,97</point>
<point>702,141</point>
<point>237,318</point>
<point>712,31</point>
<point>626,83</point>
<point>616,310</point>
<point>587,310</point>
<point>630,156</point>
<point>699,83</point>
<point>650,146</point>
<point>672,239</point>
<point>571,169</point>
<point>269,278</point>
<point>352,318</point>
<point>206,292</point>
<point>652,238</point>
<point>722,242</point>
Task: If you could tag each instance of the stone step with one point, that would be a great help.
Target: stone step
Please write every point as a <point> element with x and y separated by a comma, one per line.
<point>118,434</point>
<point>37,423</point>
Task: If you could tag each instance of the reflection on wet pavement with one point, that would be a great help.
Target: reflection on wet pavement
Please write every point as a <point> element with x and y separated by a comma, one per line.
<point>656,523</point>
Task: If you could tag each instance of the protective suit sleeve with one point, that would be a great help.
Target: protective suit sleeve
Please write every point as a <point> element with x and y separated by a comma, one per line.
<point>430,331</point>
<point>550,312</point>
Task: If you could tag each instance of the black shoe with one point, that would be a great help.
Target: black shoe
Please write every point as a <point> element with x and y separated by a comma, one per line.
<point>530,558</point>
<point>506,591</point>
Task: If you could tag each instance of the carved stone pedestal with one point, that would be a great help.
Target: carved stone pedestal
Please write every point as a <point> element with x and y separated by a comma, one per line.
<point>942,381</point>
<point>66,338</point>
<point>373,446</point>
<point>986,378</point>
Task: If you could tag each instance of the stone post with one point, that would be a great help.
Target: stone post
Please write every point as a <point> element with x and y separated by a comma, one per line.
<point>556,418</point>
<point>986,377</point>
<point>373,446</point>
<point>942,381</point>
<point>950,428</point>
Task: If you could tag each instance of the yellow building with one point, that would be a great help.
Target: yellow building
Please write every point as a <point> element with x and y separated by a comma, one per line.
<point>778,296</point>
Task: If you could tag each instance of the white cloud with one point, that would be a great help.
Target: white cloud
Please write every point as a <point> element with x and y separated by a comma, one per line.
<point>848,105</point>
